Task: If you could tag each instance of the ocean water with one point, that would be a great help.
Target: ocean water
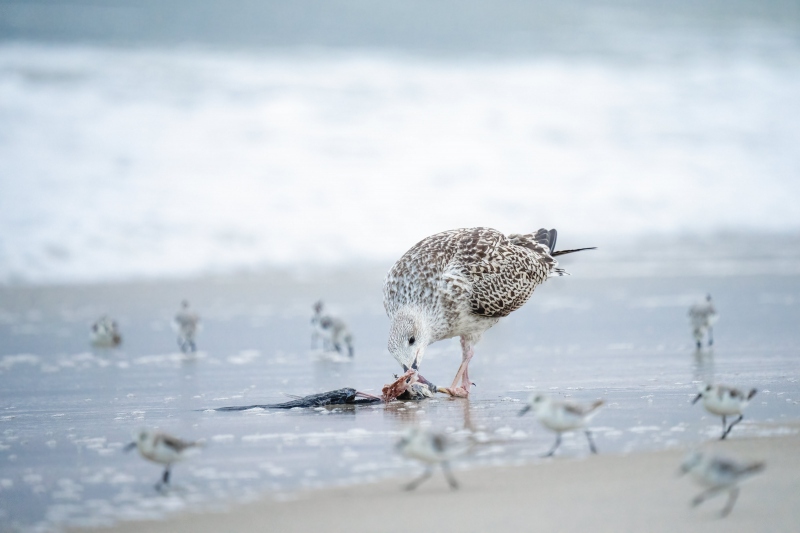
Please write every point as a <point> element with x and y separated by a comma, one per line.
<point>142,162</point>
<point>67,410</point>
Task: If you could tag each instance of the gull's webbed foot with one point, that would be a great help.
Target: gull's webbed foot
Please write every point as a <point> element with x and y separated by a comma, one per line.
<point>456,392</point>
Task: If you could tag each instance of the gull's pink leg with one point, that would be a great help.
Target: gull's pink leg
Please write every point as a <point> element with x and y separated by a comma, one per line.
<point>467,353</point>
<point>462,375</point>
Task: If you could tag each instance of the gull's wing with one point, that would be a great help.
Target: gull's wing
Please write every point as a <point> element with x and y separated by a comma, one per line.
<point>502,271</point>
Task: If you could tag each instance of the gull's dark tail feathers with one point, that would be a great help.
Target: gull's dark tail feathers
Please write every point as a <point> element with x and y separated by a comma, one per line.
<point>562,252</point>
<point>549,237</point>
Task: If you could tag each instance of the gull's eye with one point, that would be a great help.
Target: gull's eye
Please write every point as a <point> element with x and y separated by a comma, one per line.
<point>411,341</point>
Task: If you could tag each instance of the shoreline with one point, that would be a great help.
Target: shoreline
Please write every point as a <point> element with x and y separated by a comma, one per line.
<point>636,492</point>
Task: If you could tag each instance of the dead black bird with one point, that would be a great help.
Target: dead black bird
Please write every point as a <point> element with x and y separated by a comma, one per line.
<point>345,396</point>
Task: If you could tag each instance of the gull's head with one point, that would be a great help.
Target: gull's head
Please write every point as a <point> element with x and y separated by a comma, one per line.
<point>408,337</point>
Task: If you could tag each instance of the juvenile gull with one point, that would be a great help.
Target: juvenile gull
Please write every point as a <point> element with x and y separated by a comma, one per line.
<point>186,322</point>
<point>105,333</point>
<point>718,474</point>
<point>459,283</point>
<point>431,448</point>
<point>724,401</point>
<point>702,317</point>
<point>162,449</point>
<point>562,416</point>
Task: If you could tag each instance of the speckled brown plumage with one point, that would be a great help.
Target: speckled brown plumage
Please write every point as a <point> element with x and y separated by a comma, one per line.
<point>460,283</point>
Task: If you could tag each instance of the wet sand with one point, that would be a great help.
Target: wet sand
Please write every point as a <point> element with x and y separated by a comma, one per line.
<point>637,492</point>
<point>68,410</point>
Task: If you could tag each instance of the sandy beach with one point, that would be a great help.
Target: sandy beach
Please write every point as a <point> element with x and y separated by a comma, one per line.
<point>637,492</point>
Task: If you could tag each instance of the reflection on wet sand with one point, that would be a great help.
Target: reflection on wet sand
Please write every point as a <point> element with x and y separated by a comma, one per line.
<point>703,365</point>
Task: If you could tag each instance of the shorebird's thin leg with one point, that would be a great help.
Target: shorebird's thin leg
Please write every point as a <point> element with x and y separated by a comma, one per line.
<point>591,442</point>
<point>724,427</point>
<point>703,496</point>
<point>725,434</point>
<point>164,480</point>
<point>710,337</point>
<point>555,446</point>
<point>462,375</point>
<point>449,475</point>
<point>416,483</point>
<point>732,495</point>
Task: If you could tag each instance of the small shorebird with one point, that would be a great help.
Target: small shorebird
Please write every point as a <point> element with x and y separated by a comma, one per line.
<point>460,283</point>
<point>719,474</point>
<point>562,416</point>
<point>331,330</point>
<point>702,317</point>
<point>162,449</point>
<point>105,333</point>
<point>724,401</point>
<point>430,448</point>
<point>186,322</point>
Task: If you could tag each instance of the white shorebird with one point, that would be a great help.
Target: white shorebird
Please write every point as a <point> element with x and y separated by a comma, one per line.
<point>562,416</point>
<point>724,401</point>
<point>186,323</point>
<point>331,330</point>
<point>702,317</point>
<point>719,474</point>
<point>431,448</point>
<point>105,333</point>
<point>460,283</point>
<point>162,449</point>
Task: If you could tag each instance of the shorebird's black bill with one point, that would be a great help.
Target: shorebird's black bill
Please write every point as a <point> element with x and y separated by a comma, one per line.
<point>697,398</point>
<point>129,447</point>
<point>524,410</point>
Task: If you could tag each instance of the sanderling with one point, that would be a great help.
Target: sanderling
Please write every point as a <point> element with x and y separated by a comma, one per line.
<point>562,416</point>
<point>719,474</point>
<point>162,449</point>
<point>105,333</point>
<point>724,401</point>
<point>459,283</point>
<point>431,448</point>
<point>186,323</point>
<point>332,331</point>
<point>702,317</point>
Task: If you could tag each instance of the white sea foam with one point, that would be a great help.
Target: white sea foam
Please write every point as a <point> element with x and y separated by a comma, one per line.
<point>132,163</point>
